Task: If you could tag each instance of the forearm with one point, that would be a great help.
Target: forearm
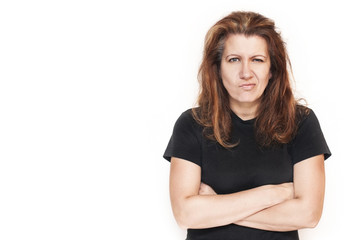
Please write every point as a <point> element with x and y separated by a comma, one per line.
<point>287,216</point>
<point>205,211</point>
<point>304,211</point>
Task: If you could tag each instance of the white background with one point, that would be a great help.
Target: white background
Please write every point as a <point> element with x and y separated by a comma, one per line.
<point>90,90</point>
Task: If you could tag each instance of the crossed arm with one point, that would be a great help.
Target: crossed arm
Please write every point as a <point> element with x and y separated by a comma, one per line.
<point>282,207</point>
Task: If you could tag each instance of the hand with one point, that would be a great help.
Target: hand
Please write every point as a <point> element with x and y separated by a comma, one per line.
<point>205,189</point>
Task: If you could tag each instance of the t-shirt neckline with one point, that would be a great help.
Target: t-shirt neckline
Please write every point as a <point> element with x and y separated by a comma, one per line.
<point>240,120</point>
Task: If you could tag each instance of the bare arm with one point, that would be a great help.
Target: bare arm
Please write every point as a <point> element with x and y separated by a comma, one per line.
<point>304,211</point>
<point>192,210</point>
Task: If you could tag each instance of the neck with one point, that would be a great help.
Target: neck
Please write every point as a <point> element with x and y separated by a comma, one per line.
<point>245,111</point>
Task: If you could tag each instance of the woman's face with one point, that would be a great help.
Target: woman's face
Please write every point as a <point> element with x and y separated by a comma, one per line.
<point>245,69</point>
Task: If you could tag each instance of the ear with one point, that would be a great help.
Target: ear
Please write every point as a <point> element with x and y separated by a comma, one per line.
<point>269,75</point>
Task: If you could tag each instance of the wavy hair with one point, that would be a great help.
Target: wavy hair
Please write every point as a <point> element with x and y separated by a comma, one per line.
<point>278,112</point>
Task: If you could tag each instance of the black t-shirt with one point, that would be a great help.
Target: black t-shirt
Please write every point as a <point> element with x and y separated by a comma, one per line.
<point>243,167</point>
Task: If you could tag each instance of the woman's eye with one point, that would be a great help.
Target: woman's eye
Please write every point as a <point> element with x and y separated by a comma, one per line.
<point>258,60</point>
<point>233,60</point>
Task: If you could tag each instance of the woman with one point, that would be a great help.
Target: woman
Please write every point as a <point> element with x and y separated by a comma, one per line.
<point>248,163</point>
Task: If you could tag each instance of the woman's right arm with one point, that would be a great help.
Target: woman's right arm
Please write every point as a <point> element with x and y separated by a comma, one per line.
<point>192,210</point>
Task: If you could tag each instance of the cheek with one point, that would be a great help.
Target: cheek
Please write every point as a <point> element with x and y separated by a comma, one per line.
<point>264,77</point>
<point>227,71</point>
<point>263,86</point>
<point>227,83</point>
<point>265,82</point>
<point>226,80</point>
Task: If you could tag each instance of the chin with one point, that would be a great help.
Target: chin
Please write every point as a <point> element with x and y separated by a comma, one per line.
<point>246,100</point>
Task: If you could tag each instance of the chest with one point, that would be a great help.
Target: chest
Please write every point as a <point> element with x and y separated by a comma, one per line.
<point>245,166</point>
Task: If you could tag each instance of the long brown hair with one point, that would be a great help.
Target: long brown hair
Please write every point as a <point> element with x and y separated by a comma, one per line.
<point>278,112</point>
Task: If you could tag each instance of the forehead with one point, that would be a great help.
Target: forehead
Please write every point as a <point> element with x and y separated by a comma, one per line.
<point>242,44</point>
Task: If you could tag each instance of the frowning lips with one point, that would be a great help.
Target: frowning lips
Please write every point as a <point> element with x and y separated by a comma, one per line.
<point>247,86</point>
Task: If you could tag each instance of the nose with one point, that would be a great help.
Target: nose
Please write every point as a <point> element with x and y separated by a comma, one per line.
<point>245,71</point>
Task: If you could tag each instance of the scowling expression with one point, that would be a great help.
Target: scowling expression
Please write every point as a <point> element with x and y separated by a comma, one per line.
<point>245,70</point>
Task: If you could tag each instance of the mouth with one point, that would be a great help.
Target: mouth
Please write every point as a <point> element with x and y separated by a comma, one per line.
<point>247,86</point>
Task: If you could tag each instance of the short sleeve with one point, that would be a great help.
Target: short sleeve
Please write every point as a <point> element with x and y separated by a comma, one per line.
<point>309,140</point>
<point>185,141</point>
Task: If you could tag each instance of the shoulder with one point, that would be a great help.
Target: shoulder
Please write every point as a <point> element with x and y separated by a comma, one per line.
<point>306,118</point>
<point>187,126</point>
<point>187,115</point>
<point>187,120</point>
<point>186,139</point>
<point>309,140</point>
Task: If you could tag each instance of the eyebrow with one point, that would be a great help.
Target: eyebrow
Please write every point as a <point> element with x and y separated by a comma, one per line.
<point>256,55</point>
<point>259,55</point>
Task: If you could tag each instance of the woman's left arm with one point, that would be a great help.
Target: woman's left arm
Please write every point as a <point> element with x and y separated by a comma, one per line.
<point>304,211</point>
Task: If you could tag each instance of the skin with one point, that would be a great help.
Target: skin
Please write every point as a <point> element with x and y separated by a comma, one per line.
<point>245,71</point>
<point>302,211</point>
<point>194,210</point>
